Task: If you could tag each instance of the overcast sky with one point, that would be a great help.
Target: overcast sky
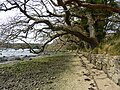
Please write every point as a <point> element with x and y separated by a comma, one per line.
<point>5,16</point>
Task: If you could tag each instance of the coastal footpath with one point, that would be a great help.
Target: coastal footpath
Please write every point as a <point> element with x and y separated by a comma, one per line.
<point>108,63</point>
<point>55,72</point>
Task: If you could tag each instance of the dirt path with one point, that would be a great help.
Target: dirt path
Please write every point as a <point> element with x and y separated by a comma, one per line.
<point>78,78</point>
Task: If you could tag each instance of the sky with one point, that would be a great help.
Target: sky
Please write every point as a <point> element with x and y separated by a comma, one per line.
<point>5,16</point>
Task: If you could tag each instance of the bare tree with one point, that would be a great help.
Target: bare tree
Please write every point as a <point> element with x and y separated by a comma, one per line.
<point>50,19</point>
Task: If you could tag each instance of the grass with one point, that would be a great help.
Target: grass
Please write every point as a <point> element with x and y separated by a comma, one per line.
<point>110,46</point>
<point>37,73</point>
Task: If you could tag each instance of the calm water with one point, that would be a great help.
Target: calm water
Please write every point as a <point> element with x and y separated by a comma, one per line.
<point>12,52</point>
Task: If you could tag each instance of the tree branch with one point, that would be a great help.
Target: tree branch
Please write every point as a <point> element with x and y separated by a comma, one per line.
<point>71,30</point>
<point>52,38</point>
<point>94,6</point>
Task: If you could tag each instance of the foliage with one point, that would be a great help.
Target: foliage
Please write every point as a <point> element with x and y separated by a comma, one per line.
<point>32,74</point>
<point>24,66</point>
<point>44,21</point>
<point>111,45</point>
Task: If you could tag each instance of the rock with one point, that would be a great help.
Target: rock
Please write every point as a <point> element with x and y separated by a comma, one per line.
<point>4,58</point>
<point>18,58</point>
<point>37,89</point>
<point>86,74</point>
<point>34,83</point>
<point>106,85</point>
<point>92,84</point>
<point>42,82</point>
<point>105,67</point>
<point>82,72</point>
<point>51,88</point>
<point>52,77</point>
<point>87,79</point>
<point>94,67</point>
<point>91,88</point>
<point>118,82</point>
<point>0,58</point>
<point>50,81</point>
<point>11,58</point>
<point>30,58</point>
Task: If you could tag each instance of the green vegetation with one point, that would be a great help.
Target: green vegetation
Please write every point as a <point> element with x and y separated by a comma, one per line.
<point>36,73</point>
<point>24,66</point>
<point>77,20</point>
<point>109,46</point>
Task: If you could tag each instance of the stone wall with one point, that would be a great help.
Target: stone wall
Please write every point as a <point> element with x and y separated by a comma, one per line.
<point>109,64</point>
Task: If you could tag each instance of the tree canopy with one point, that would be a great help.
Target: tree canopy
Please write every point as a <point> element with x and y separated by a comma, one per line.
<point>47,20</point>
